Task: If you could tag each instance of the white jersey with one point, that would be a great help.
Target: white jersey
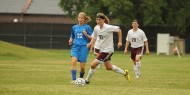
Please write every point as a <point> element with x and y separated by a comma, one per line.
<point>104,37</point>
<point>136,38</point>
<point>96,45</point>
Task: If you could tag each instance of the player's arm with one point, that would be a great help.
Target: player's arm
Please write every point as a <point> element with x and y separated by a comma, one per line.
<point>70,41</point>
<point>92,41</point>
<point>126,47</point>
<point>86,34</point>
<point>71,37</point>
<point>147,48</point>
<point>119,38</point>
<point>91,44</point>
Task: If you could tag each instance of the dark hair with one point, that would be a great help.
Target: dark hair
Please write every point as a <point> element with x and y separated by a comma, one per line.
<point>135,20</point>
<point>102,16</point>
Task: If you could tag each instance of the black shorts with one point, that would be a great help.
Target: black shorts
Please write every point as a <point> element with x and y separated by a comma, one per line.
<point>136,52</point>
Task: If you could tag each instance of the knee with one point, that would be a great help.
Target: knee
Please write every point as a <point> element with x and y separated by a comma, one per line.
<point>92,67</point>
<point>137,59</point>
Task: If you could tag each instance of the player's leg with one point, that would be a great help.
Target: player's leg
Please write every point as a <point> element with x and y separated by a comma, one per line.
<point>106,58</point>
<point>83,55</point>
<point>96,52</point>
<point>133,56</point>
<point>82,69</point>
<point>137,60</point>
<point>73,69</point>
<point>92,70</point>
<point>74,58</point>
<point>94,64</point>
<point>138,66</point>
<point>135,68</point>
<point>116,69</point>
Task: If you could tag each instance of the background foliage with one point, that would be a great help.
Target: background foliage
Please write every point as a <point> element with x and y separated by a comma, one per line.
<point>167,13</point>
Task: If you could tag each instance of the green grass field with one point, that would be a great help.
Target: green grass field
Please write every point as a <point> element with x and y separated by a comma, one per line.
<point>26,71</point>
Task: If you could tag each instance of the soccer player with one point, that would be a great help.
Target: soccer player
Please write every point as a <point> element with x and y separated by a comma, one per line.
<point>97,45</point>
<point>103,35</point>
<point>137,38</point>
<point>80,36</point>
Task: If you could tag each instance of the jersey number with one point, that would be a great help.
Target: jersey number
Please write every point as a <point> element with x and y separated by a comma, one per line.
<point>101,37</point>
<point>79,35</point>
<point>133,39</point>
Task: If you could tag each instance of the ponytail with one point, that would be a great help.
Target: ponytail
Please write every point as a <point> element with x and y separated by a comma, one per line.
<point>86,18</point>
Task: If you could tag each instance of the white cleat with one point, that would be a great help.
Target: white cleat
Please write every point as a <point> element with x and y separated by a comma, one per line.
<point>137,77</point>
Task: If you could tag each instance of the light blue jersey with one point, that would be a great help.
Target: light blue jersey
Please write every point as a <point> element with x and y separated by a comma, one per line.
<point>79,47</point>
<point>78,36</point>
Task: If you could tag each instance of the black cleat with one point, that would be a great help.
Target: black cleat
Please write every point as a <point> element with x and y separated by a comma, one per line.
<point>87,82</point>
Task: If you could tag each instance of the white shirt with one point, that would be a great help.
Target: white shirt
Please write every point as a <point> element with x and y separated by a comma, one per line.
<point>136,38</point>
<point>96,45</point>
<point>104,37</point>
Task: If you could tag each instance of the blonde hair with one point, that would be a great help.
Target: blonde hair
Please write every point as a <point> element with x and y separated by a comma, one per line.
<point>86,18</point>
<point>101,15</point>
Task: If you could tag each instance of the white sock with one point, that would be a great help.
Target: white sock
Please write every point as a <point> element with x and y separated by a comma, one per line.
<point>138,65</point>
<point>90,73</point>
<point>117,70</point>
<point>135,70</point>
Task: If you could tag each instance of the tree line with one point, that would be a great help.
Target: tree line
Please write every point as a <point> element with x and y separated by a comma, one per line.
<point>166,13</point>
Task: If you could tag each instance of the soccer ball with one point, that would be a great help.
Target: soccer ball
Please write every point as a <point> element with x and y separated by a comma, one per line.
<point>80,82</point>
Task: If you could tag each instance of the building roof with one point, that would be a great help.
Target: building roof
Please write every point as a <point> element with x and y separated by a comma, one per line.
<point>36,7</point>
<point>11,6</point>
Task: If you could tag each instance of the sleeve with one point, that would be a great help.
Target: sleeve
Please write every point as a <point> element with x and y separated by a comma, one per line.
<point>72,33</point>
<point>144,36</point>
<point>113,28</point>
<point>94,34</point>
<point>127,38</point>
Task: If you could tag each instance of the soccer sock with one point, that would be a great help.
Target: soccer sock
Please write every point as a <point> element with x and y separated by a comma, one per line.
<point>90,74</point>
<point>117,70</point>
<point>135,69</point>
<point>138,64</point>
<point>82,74</point>
<point>73,73</point>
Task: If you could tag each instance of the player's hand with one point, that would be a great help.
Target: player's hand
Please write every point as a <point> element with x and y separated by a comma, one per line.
<point>147,52</point>
<point>125,51</point>
<point>89,45</point>
<point>119,45</point>
<point>70,42</point>
<point>85,33</point>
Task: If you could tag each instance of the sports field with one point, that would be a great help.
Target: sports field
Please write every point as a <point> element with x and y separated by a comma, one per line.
<point>26,71</point>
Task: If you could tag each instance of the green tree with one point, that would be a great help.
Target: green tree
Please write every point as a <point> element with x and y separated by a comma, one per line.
<point>179,16</point>
<point>90,7</point>
<point>167,13</point>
